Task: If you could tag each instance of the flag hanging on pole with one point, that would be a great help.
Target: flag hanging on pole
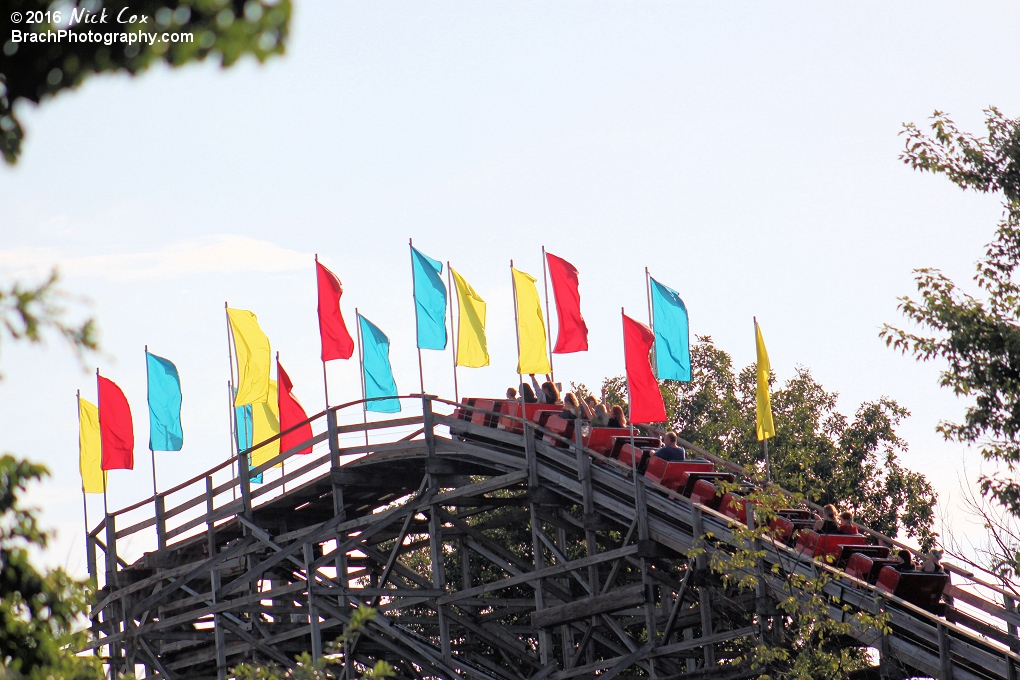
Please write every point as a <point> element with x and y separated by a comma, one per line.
<point>336,341</point>
<point>243,426</point>
<point>429,299</point>
<point>472,349</point>
<point>254,360</point>
<point>243,430</point>
<point>532,354</point>
<point>645,399</point>
<point>90,448</point>
<point>672,334</point>
<point>572,335</point>
<point>116,428</point>
<point>165,433</point>
<point>291,414</point>
<point>376,369</point>
<point>763,403</point>
<point>265,424</point>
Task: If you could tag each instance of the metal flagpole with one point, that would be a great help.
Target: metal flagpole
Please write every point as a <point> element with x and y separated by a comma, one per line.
<point>651,322</point>
<point>455,333</point>
<point>230,355</point>
<point>414,294</point>
<point>548,323</point>
<point>283,466</point>
<point>517,330</point>
<point>768,462</point>
<point>152,453</point>
<point>99,406</point>
<point>325,382</point>
<point>630,422</point>
<point>630,400</point>
<point>361,363</point>
<point>232,411</point>
<point>84,498</point>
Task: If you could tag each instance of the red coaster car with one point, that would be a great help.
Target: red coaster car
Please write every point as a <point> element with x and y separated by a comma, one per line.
<point>919,588</point>
<point>512,410</point>
<point>818,545</point>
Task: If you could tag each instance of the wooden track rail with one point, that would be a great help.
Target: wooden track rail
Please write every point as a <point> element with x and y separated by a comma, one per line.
<point>488,554</point>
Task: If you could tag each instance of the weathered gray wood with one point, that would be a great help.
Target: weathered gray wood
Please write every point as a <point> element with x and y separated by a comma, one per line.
<point>554,570</point>
<point>615,600</point>
<point>442,630</point>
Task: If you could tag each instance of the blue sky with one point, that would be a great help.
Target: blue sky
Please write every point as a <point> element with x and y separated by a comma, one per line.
<point>745,152</point>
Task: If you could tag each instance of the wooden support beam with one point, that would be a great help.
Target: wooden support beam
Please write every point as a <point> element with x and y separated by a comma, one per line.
<point>313,614</point>
<point>622,598</point>
<point>547,572</point>
<point>945,654</point>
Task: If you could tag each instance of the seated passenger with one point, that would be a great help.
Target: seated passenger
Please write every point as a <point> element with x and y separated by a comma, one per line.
<point>826,523</point>
<point>846,523</point>
<point>572,409</point>
<point>511,394</point>
<point>906,562</point>
<point>617,418</point>
<point>600,417</point>
<point>933,562</point>
<point>548,393</point>
<point>528,394</point>
<point>671,452</point>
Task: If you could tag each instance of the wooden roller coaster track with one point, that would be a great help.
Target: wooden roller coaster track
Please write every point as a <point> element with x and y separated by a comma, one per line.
<point>488,554</point>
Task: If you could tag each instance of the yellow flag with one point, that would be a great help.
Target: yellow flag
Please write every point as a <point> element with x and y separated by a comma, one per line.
<point>766,428</point>
<point>265,423</point>
<point>90,448</point>
<point>253,358</point>
<point>471,347</point>
<point>532,357</point>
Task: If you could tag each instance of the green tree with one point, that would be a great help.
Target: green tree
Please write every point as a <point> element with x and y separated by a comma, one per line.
<point>39,610</point>
<point>27,312</point>
<point>329,665</point>
<point>40,632</point>
<point>195,29</point>
<point>976,334</point>
<point>798,639</point>
<point>817,451</point>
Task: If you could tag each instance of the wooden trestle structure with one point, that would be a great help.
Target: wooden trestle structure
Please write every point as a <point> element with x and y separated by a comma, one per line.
<point>488,555</point>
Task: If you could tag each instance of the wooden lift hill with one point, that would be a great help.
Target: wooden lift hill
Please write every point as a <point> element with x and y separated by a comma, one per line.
<point>495,545</point>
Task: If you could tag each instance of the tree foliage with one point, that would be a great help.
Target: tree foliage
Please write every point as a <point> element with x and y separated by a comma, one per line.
<point>39,610</point>
<point>976,334</point>
<point>27,311</point>
<point>330,665</point>
<point>798,638</point>
<point>817,451</point>
<point>31,71</point>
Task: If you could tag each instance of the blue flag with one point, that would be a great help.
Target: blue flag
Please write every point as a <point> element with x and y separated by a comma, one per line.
<point>429,300</point>
<point>244,429</point>
<point>165,432</point>
<point>375,369</point>
<point>672,334</point>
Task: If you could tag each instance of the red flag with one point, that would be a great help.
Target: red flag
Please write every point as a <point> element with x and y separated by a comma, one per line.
<point>336,341</point>
<point>115,427</point>
<point>573,333</point>
<point>645,399</point>
<point>291,414</point>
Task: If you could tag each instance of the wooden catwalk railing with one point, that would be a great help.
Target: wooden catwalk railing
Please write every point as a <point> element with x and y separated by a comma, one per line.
<point>488,554</point>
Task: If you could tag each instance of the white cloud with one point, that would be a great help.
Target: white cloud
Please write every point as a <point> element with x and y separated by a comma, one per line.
<point>219,254</point>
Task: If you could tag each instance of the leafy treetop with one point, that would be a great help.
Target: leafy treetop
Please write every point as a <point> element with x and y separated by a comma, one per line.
<point>976,335</point>
<point>30,71</point>
<point>817,451</point>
